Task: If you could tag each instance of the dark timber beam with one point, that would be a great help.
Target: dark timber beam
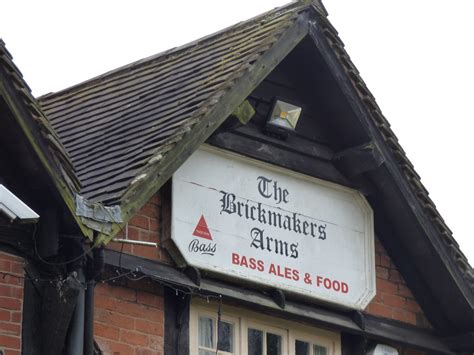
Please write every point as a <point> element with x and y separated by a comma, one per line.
<point>461,342</point>
<point>358,160</point>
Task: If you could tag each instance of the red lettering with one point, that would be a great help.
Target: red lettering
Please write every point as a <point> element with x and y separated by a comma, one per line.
<point>235,258</point>
<point>336,285</point>
<point>344,287</point>
<point>272,269</point>
<point>319,280</point>
<point>252,263</point>
<point>279,271</point>
<point>287,273</point>
<point>296,275</point>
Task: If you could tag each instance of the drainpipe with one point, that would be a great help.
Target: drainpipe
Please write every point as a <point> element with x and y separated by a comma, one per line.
<point>89,319</point>
<point>75,340</point>
<point>98,263</point>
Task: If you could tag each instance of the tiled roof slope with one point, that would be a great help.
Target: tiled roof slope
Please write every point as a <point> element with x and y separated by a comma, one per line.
<point>406,167</point>
<point>37,128</point>
<point>116,125</point>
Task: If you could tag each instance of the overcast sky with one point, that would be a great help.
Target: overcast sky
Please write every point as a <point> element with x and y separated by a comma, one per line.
<point>415,56</point>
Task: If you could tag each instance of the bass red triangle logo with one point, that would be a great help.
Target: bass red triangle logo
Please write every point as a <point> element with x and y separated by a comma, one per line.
<point>202,231</point>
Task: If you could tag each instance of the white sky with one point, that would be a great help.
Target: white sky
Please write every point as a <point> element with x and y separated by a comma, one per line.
<point>415,56</point>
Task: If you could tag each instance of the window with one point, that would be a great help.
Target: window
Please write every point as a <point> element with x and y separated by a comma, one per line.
<point>211,334</point>
<point>242,332</point>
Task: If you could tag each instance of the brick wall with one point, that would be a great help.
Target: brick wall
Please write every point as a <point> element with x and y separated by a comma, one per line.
<point>393,300</point>
<point>11,302</point>
<point>144,226</point>
<point>128,321</point>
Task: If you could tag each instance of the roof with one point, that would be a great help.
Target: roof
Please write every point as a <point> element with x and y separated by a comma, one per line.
<point>37,129</point>
<point>135,115</point>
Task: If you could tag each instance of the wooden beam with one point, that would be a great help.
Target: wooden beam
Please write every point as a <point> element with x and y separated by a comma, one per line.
<point>461,342</point>
<point>358,160</point>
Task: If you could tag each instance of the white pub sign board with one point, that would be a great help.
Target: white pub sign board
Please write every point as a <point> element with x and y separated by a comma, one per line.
<point>253,221</point>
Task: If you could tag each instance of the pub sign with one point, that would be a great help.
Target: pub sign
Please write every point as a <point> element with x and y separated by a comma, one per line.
<point>253,221</point>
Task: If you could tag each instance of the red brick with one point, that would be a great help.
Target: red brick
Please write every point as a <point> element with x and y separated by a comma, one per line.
<point>380,310</point>
<point>11,280</point>
<point>139,221</point>
<point>17,292</point>
<point>16,317</point>
<point>377,259</point>
<point>148,236</point>
<point>125,248</point>
<point>123,293</point>
<point>114,318</point>
<point>6,290</point>
<point>385,260</point>
<point>386,286</point>
<point>379,247</point>
<point>102,288</point>
<point>10,328</point>
<point>154,225</point>
<point>114,348</point>
<point>10,257</point>
<point>404,291</point>
<point>143,351</point>
<point>149,327</point>
<point>4,315</point>
<point>382,272</point>
<point>17,268</point>
<point>404,316</point>
<point>394,301</point>
<point>5,265</point>
<point>150,299</point>
<point>150,210</point>
<point>156,199</point>
<point>106,331</point>
<point>134,233</point>
<point>106,302</point>
<point>143,251</point>
<point>156,343</point>
<point>9,341</point>
<point>413,306</point>
<point>395,276</point>
<point>10,303</point>
<point>133,338</point>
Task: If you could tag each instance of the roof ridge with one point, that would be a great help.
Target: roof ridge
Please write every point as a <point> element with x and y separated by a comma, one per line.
<point>292,6</point>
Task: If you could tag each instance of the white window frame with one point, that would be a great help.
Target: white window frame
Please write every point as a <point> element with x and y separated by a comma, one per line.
<point>243,319</point>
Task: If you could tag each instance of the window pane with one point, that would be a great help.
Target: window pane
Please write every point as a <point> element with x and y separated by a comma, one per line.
<point>301,348</point>
<point>255,341</point>
<point>206,352</point>
<point>319,350</point>
<point>206,331</point>
<point>226,337</point>
<point>273,344</point>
